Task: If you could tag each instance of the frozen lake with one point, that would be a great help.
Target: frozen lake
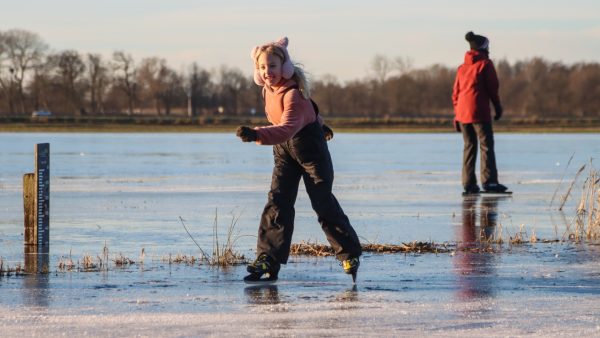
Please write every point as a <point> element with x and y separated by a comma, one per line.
<point>129,190</point>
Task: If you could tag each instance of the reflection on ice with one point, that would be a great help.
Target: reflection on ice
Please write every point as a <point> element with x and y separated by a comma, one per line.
<point>349,295</point>
<point>35,290</point>
<point>475,275</point>
<point>262,294</point>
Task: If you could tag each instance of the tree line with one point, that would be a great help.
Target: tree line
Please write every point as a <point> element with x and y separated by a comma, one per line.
<point>70,83</point>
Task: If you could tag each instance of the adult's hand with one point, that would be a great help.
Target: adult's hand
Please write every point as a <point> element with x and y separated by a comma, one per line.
<point>328,132</point>
<point>499,112</point>
<point>247,134</point>
<point>457,126</point>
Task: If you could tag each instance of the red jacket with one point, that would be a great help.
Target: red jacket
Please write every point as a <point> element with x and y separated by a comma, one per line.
<point>475,85</point>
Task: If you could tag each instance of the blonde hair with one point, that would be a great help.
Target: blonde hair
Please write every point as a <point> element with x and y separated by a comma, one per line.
<point>299,76</point>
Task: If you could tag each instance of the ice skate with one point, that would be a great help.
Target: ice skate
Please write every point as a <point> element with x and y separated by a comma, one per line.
<point>471,190</point>
<point>494,188</point>
<point>351,267</point>
<point>263,270</point>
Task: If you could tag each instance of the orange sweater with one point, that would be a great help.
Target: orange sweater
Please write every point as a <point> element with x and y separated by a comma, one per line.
<point>288,111</point>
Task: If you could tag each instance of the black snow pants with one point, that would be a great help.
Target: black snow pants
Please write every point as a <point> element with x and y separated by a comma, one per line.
<point>472,132</point>
<point>304,156</point>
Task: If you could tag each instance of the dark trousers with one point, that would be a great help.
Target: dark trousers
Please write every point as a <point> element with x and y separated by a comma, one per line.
<point>472,132</point>
<point>304,156</point>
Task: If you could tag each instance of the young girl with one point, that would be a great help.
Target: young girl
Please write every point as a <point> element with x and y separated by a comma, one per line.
<point>300,150</point>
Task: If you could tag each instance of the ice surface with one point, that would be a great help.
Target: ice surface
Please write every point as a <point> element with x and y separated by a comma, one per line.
<point>127,191</point>
<point>510,294</point>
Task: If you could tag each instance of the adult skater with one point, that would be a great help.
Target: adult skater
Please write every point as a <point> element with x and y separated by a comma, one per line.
<point>475,86</point>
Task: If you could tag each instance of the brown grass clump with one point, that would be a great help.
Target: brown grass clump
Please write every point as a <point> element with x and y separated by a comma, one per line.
<point>66,263</point>
<point>310,249</point>
<point>412,247</point>
<point>180,259</point>
<point>6,270</point>
<point>533,238</point>
<point>478,249</point>
<point>322,250</point>
<point>122,261</point>
<point>87,263</point>
<point>519,237</point>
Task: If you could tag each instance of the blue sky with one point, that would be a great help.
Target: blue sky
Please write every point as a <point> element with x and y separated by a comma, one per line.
<point>327,36</point>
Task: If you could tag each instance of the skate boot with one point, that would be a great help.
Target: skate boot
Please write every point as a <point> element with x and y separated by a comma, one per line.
<point>263,270</point>
<point>471,190</point>
<point>494,187</point>
<point>351,267</point>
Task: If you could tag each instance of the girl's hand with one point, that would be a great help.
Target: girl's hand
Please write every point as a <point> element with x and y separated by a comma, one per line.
<point>328,132</point>
<point>247,134</point>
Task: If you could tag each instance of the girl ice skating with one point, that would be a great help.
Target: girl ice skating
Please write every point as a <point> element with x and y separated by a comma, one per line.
<point>298,136</point>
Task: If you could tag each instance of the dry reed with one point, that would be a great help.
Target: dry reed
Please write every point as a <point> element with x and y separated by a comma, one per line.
<point>88,264</point>
<point>587,219</point>
<point>223,255</point>
<point>519,237</point>
<point>566,196</point>
<point>561,179</point>
<point>66,263</point>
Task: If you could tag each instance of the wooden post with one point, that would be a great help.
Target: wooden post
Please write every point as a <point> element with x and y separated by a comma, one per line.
<point>36,206</point>
<point>30,233</point>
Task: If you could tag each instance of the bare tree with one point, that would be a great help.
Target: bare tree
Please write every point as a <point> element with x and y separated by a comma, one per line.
<point>151,76</point>
<point>585,88</point>
<point>3,48</point>
<point>201,89</point>
<point>4,80</point>
<point>24,51</point>
<point>381,67</point>
<point>403,64</point>
<point>98,80</point>
<point>41,87</point>
<point>327,94</point>
<point>125,77</point>
<point>30,78</point>
<point>232,83</point>
<point>172,90</point>
<point>70,67</point>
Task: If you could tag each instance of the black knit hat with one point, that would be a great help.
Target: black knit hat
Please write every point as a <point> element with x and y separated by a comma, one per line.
<point>477,42</point>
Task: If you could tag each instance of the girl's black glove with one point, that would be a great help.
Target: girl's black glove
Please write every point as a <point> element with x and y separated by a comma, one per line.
<point>247,134</point>
<point>328,132</point>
